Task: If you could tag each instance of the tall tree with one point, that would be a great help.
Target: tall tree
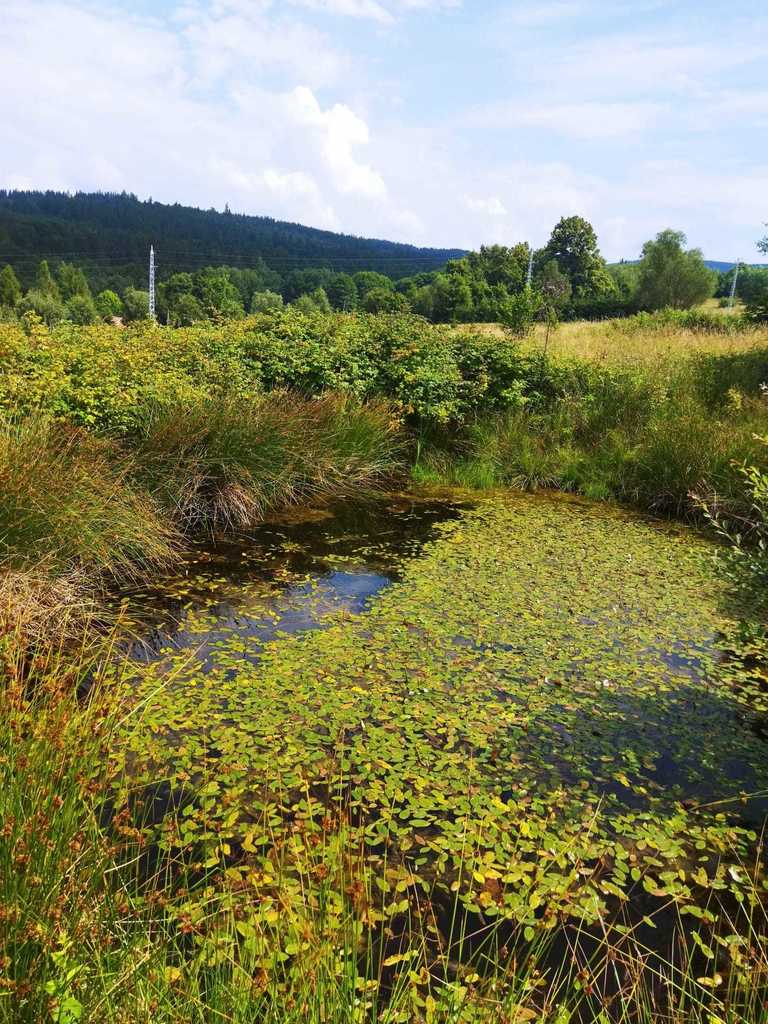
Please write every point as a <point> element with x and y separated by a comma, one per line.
<point>367,280</point>
<point>573,244</point>
<point>44,305</point>
<point>342,292</point>
<point>44,282</point>
<point>671,276</point>
<point>72,282</point>
<point>385,300</point>
<point>10,289</point>
<point>217,295</point>
<point>81,310</point>
<point>135,304</point>
<point>554,285</point>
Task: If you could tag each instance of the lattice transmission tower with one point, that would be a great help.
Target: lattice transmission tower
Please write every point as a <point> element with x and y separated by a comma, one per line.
<point>733,284</point>
<point>152,283</point>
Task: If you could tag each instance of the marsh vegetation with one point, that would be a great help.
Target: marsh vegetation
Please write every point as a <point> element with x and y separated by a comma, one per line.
<point>322,705</point>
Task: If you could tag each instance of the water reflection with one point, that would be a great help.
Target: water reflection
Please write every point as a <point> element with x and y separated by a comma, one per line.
<point>295,573</point>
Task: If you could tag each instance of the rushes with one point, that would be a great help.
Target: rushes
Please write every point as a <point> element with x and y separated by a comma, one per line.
<point>67,501</point>
<point>78,510</point>
<point>222,463</point>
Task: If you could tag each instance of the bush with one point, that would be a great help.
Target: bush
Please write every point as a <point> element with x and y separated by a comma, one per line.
<point>263,301</point>
<point>81,310</point>
<point>136,304</point>
<point>50,310</point>
<point>108,304</point>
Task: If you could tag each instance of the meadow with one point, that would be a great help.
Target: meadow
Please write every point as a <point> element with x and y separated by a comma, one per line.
<point>526,782</point>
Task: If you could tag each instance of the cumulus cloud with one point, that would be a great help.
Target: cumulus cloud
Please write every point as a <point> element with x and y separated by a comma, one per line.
<point>329,112</point>
<point>188,113</point>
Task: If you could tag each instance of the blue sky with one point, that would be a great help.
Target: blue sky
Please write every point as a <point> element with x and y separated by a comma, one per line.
<point>440,122</point>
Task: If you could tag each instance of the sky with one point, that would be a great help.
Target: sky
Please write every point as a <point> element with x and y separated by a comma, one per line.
<point>436,122</point>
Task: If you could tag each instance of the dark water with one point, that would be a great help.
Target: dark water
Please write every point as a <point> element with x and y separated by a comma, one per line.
<point>294,573</point>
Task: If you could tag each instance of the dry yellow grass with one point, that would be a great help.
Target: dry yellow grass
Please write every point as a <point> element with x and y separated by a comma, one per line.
<point>605,341</point>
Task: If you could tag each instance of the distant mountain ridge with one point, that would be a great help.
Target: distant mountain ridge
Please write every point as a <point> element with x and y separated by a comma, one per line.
<point>724,267</point>
<point>110,232</point>
<point>116,229</point>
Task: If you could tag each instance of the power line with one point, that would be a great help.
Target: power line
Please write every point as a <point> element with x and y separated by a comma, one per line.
<point>197,256</point>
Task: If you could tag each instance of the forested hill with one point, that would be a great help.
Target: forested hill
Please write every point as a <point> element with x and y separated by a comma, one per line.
<point>113,230</point>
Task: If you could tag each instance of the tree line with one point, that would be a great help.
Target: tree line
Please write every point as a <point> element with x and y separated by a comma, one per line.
<point>568,278</point>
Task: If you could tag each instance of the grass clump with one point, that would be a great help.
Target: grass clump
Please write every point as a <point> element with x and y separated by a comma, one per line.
<point>67,502</point>
<point>222,463</point>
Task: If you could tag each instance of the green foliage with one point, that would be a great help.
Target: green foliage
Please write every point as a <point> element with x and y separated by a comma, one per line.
<point>667,320</point>
<point>554,286</point>
<point>223,463</point>
<point>510,733</point>
<point>304,282</point>
<point>671,277</point>
<point>255,278</point>
<point>185,311</point>
<point>10,289</point>
<point>66,501</point>
<point>518,314</point>
<point>81,310</point>
<point>263,301</point>
<point>44,282</point>
<point>315,302</point>
<point>384,300</point>
<point>118,225</point>
<point>217,295</point>
<point>135,304</point>
<point>366,280</point>
<point>108,304</point>
<point>342,293</point>
<point>72,282</point>
<point>752,287</point>
<point>44,305</point>
<point>573,246</point>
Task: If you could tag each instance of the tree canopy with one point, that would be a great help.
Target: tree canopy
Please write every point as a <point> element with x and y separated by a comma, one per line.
<point>672,277</point>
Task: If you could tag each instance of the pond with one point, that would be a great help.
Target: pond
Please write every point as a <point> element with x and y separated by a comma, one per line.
<point>521,699</point>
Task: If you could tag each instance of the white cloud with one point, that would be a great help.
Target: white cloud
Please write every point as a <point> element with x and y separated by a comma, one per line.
<point>586,120</point>
<point>649,64</point>
<point>492,206</point>
<point>339,131</point>
<point>239,39</point>
<point>386,12</point>
<point>160,116</point>
<point>262,104</point>
<point>351,8</point>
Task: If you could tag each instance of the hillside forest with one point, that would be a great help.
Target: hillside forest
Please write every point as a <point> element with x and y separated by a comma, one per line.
<point>93,270</point>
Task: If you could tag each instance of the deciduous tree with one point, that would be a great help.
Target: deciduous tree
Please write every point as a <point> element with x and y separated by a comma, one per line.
<point>573,244</point>
<point>672,277</point>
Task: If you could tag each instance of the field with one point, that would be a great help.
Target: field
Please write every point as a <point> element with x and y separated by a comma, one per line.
<point>616,341</point>
<point>390,672</point>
